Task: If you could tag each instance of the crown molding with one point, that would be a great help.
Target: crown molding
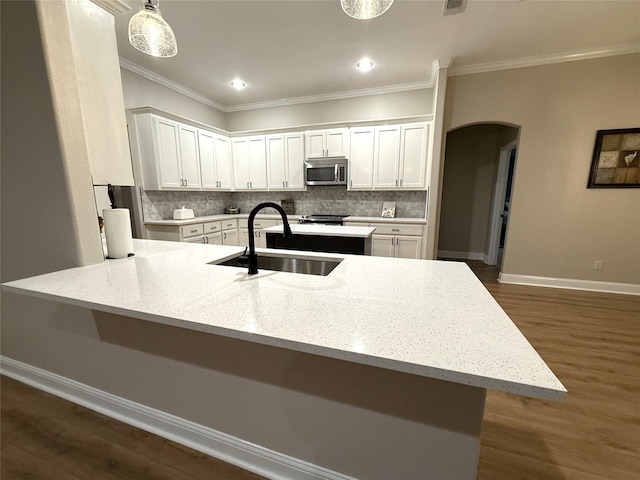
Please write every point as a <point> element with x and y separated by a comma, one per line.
<point>114,7</point>
<point>165,82</point>
<point>544,60</point>
<point>331,96</point>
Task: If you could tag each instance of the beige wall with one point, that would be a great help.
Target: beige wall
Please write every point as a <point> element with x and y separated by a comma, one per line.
<point>558,227</point>
<point>470,169</point>
<point>367,108</point>
<point>139,91</point>
<point>49,220</point>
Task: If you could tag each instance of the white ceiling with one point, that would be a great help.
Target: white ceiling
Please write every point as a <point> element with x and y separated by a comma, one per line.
<point>304,48</point>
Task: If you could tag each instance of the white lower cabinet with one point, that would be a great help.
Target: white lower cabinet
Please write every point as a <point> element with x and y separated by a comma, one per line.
<point>259,236</point>
<point>398,246</point>
<point>224,232</point>
<point>399,240</point>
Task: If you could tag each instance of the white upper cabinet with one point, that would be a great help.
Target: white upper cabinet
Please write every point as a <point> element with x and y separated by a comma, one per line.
<point>167,153</point>
<point>285,161</point>
<point>215,161</point>
<point>401,157</point>
<point>361,158</point>
<point>414,155</point>
<point>189,157</point>
<point>386,157</point>
<point>249,163</point>
<point>327,143</point>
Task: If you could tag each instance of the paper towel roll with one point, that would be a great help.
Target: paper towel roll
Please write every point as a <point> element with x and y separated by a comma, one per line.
<point>117,230</point>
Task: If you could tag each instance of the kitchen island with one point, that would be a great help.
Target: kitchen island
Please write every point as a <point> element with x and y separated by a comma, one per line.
<point>378,370</point>
<point>322,238</point>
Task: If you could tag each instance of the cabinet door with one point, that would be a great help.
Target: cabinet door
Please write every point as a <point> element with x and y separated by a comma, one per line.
<point>337,142</point>
<point>408,247</point>
<point>189,160</point>
<point>361,158</point>
<point>294,154</point>
<point>168,153</point>
<point>315,144</point>
<point>386,157</point>
<point>382,245</point>
<point>276,161</point>
<point>244,237</point>
<point>214,238</point>
<point>258,163</point>
<point>261,239</point>
<point>240,148</point>
<point>206,147</point>
<point>223,162</point>
<point>230,237</point>
<point>413,155</point>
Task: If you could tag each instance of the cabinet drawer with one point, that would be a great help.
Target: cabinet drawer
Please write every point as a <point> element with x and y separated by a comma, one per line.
<point>396,229</point>
<point>258,223</point>
<point>229,224</point>
<point>212,227</point>
<point>191,230</point>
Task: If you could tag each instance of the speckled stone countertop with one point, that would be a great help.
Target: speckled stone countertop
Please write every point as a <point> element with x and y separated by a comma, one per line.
<point>428,318</point>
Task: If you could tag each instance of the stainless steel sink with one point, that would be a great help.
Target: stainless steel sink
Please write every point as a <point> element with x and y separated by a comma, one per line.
<point>282,263</point>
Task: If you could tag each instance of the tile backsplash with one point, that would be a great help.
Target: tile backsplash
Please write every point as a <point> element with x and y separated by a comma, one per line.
<point>159,205</point>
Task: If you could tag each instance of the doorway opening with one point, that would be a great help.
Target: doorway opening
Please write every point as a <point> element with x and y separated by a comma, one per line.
<point>479,166</point>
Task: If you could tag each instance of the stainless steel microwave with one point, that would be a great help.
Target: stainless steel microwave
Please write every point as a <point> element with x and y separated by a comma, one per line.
<point>325,171</point>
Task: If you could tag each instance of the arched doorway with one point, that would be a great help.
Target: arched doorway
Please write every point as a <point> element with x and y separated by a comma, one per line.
<point>478,168</point>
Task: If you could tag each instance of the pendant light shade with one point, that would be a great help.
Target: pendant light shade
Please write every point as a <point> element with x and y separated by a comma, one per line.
<point>149,33</point>
<point>365,9</point>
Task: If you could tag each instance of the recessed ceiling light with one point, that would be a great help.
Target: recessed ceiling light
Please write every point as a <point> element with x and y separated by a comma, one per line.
<point>238,84</point>
<point>364,65</point>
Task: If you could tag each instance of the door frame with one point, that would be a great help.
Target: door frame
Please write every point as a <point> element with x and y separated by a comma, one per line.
<point>498,201</point>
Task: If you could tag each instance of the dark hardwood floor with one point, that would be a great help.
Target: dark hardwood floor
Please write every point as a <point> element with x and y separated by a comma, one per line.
<point>590,340</point>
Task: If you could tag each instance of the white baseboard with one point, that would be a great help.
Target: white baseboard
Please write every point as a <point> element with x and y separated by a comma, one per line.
<point>572,284</point>
<point>464,255</point>
<point>233,450</point>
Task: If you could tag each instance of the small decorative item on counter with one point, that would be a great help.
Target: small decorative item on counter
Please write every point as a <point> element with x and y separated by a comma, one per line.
<point>232,210</point>
<point>288,206</point>
<point>183,214</point>
<point>388,209</point>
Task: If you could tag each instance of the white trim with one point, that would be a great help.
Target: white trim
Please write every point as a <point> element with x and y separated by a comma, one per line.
<point>331,96</point>
<point>570,283</point>
<point>497,209</point>
<point>249,456</point>
<point>544,60</point>
<point>463,255</point>
<point>114,7</point>
<point>165,82</point>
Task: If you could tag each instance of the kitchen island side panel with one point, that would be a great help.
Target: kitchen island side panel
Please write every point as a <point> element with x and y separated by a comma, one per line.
<point>359,420</point>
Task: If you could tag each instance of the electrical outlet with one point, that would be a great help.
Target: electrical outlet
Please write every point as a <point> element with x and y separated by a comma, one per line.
<point>598,265</point>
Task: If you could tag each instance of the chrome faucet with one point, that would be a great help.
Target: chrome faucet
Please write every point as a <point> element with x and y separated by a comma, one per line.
<point>253,258</point>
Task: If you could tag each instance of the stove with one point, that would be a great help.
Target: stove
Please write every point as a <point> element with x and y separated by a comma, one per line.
<point>323,219</point>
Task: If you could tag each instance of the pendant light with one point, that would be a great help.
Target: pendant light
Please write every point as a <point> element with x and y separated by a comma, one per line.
<point>365,9</point>
<point>149,33</point>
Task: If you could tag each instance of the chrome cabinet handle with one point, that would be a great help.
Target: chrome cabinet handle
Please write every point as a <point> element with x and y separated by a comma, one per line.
<point>395,230</point>
<point>283,185</point>
<point>335,174</point>
<point>400,182</point>
<point>396,182</point>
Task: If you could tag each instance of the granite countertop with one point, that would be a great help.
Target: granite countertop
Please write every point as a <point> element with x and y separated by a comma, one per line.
<point>324,230</point>
<point>429,318</point>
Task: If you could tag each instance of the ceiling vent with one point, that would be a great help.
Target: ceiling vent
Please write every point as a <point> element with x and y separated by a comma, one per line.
<point>452,7</point>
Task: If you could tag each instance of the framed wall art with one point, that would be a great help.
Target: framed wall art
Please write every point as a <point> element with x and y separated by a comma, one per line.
<point>616,159</point>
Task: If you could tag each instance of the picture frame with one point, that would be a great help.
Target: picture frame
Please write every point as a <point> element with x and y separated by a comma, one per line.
<point>616,159</point>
